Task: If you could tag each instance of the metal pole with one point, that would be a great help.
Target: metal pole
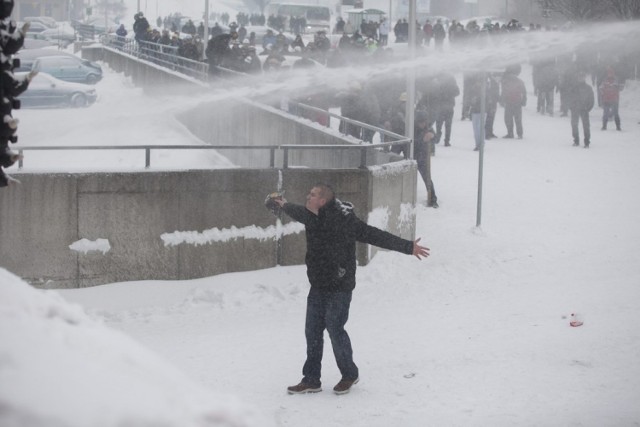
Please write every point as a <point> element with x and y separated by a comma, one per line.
<point>138,10</point>
<point>205,39</point>
<point>483,97</point>
<point>411,76</point>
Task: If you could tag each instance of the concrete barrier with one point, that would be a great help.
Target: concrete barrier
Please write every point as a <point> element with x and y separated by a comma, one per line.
<point>41,218</point>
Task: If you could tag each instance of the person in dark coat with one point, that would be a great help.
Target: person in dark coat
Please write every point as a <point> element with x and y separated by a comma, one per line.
<point>439,34</point>
<point>332,230</point>
<point>513,97</point>
<point>545,81</point>
<point>121,34</point>
<point>423,135</point>
<point>492,98</point>
<point>475,83</point>
<point>217,48</point>
<point>580,101</point>
<point>140,27</point>
<point>441,104</point>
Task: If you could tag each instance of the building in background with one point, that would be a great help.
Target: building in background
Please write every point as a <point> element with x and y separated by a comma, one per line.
<point>60,10</point>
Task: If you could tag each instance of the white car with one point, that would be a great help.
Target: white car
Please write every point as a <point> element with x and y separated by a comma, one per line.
<point>46,20</point>
<point>47,91</point>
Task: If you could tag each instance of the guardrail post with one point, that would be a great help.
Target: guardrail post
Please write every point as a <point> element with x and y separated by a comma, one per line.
<point>20,158</point>
<point>147,158</point>
<point>363,158</point>
<point>285,161</point>
<point>272,157</point>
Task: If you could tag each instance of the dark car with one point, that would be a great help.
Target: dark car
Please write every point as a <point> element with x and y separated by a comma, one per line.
<point>69,68</point>
<point>47,91</point>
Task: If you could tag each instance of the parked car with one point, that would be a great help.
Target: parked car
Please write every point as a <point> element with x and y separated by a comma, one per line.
<point>35,27</point>
<point>46,20</point>
<point>47,91</point>
<point>36,41</point>
<point>28,56</point>
<point>69,68</point>
<point>65,36</point>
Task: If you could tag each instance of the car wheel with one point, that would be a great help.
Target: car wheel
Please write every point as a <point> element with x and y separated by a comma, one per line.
<point>92,79</point>
<point>78,100</point>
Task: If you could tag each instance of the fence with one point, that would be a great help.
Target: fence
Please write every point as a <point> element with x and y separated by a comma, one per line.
<point>160,54</point>
<point>285,149</point>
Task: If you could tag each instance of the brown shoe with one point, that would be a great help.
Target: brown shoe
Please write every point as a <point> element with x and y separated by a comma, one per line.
<point>303,388</point>
<point>344,386</point>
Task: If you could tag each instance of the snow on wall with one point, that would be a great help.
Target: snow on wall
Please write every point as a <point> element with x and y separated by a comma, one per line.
<point>224,235</point>
<point>86,245</point>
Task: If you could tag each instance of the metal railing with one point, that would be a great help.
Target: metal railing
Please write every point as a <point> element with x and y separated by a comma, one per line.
<point>355,128</point>
<point>160,54</point>
<point>285,149</point>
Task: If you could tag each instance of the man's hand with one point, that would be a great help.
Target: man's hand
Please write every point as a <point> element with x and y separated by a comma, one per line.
<point>428,136</point>
<point>274,203</point>
<point>420,251</point>
<point>25,28</point>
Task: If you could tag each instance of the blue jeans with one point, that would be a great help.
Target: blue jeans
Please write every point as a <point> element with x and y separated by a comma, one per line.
<point>610,110</point>
<point>330,311</point>
<point>476,122</point>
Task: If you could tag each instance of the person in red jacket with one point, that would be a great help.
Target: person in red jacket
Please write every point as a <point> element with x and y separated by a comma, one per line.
<point>332,230</point>
<point>513,97</point>
<point>610,97</point>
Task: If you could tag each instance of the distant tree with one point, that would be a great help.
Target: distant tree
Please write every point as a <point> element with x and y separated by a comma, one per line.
<point>580,10</point>
<point>112,8</point>
<point>626,9</point>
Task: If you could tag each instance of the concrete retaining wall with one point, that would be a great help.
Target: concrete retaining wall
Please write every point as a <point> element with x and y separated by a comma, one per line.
<point>48,212</point>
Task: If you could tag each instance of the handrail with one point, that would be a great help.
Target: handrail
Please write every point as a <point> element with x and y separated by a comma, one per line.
<point>161,54</point>
<point>285,148</point>
<point>362,125</point>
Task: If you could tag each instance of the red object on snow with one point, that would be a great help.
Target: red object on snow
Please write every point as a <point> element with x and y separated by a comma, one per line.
<point>575,320</point>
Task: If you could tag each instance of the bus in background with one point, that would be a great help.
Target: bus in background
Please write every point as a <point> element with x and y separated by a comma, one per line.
<point>318,17</point>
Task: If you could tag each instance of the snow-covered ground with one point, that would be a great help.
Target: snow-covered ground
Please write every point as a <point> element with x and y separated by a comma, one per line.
<point>477,334</point>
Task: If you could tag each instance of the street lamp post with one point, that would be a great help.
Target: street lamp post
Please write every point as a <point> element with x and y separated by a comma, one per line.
<point>205,39</point>
<point>411,77</point>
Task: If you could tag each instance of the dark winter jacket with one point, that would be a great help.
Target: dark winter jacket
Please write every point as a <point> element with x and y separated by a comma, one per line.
<point>442,93</point>
<point>581,97</point>
<point>545,77</point>
<point>331,243</point>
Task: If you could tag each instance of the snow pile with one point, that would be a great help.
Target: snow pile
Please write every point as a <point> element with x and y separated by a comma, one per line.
<point>56,361</point>
<point>86,245</point>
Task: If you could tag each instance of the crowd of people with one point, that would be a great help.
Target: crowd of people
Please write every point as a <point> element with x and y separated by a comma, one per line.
<point>11,40</point>
<point>381,102</point>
